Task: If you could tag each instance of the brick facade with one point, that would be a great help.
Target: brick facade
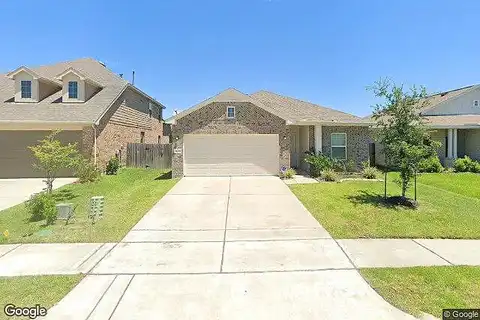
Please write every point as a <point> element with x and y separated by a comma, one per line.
<point>123,123</point>
<point>358,140</point>
<point>211,119</point>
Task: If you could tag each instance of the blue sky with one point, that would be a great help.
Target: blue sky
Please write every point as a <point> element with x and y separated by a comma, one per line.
<point>326,52</point>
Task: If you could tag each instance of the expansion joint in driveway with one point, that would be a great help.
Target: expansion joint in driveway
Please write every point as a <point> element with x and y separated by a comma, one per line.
<point>226,221</point>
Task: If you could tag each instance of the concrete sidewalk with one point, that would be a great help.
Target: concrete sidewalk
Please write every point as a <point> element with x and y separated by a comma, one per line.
<point>51,258</point>
<point>73,258</point>
<point>15,191</point>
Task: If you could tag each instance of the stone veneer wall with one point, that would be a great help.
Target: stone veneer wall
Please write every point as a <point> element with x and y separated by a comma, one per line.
<point>358,140</point>
<point>212,119</point>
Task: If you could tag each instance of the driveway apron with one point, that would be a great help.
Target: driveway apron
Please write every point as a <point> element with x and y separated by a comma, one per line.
<point>226,248</point>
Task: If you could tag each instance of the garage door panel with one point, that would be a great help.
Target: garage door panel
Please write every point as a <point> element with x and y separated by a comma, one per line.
<point>227,155</point>
<point>16,159</point>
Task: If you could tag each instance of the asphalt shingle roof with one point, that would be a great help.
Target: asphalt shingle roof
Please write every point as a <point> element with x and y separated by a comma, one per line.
<point>433,100</point>
<point>49,109</point>
<point>289,109</point>
<point>466,120</point>
<point>302,111</point>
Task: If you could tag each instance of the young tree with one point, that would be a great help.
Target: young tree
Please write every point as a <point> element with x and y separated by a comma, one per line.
<point>53,156</point>
<point>400,128</point>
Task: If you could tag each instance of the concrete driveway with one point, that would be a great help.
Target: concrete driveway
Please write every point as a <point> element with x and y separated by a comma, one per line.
<point>15,191</point>
<point>226,248</point>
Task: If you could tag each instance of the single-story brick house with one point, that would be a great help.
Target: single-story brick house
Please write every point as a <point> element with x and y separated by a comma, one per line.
<point>234,133</point>
<point>95,108</point>
<point>454,120</point>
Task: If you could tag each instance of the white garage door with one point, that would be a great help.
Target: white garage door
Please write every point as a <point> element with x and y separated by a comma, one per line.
<point>231,155</point>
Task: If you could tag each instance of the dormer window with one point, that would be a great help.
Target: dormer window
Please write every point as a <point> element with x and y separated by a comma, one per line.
<point>76,86</point>
<point>72,90</point>
<point>26,89</point>
<point>31,86</point>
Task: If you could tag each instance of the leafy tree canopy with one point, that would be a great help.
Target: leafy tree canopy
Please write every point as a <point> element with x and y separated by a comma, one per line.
<point>401,130</point>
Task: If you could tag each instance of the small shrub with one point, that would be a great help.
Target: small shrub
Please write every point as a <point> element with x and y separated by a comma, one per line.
<point>318,163</point>
<point>112,166</point>
<point>42,206</point>
<point>463,164</point>
<point>339,165</point>
<point>475,168</point>
<point>329,175</point>
<point>350,166</point>
<point>449,170</point>
<point>290,173</point>
<point>431,164</point>
<point>86,171</point>
<point>370,172</point>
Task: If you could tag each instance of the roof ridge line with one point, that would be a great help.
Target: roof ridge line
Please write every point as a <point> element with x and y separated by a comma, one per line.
<point>304,101</point>
<point>452,90</point>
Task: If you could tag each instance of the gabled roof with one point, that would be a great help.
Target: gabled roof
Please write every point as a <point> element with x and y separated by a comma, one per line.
<point>293,111</point>
<point>35,75</point>
<point>79,74</point>
<point>229,95</point>
<point>299,111</point>
<point>52,109</point>
<point>436,99</point>
<point>445,121</point>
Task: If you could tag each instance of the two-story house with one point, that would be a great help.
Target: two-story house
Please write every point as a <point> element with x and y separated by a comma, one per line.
<point>453,118</point>
<point>95,108</point>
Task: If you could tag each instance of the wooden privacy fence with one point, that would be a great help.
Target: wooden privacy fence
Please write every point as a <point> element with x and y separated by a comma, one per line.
<point>142,155</point>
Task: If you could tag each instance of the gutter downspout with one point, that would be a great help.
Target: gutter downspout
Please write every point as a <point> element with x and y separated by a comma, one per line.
<point>94,144</point>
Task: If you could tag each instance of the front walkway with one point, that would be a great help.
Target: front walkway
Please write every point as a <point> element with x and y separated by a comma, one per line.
<point>228,248</point>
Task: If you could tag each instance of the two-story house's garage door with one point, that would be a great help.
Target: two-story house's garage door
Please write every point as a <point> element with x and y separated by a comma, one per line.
<point>231,154</point>
<point>16,159</point>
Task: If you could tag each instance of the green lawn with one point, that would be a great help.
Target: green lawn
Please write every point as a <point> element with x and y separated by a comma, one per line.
<point>467,184</point>
<point>353,209</point>
<point>128,196</point>
<point>31,290</point>
<point>427,289</point>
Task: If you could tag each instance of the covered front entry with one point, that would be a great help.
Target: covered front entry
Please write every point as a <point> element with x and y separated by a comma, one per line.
<point>231,154</point>
<point>457,143</point>
<point>16,159</point>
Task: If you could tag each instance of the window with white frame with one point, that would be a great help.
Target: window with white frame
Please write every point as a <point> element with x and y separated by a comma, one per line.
<point>476,103</point>
<point>26,89</point>
<point>339,146</point>
<point>230,112</point>
<point>72,90</point>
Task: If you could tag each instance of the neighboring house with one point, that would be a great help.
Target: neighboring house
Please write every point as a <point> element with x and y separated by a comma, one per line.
<point>454,119</point>
<point>238,134</point>
<point>96,109</point>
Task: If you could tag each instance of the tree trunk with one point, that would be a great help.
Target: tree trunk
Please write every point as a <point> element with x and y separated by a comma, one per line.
<point>404,188</point>
<point>49,182</point>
